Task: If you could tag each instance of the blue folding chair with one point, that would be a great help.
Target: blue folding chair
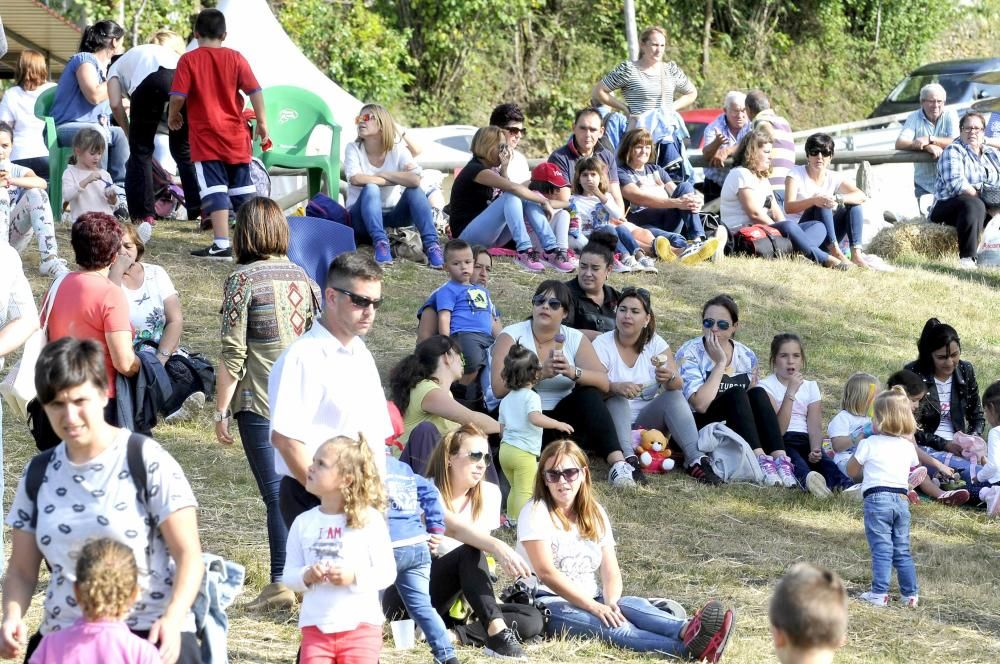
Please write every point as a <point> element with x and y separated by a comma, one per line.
<point>315,242</point>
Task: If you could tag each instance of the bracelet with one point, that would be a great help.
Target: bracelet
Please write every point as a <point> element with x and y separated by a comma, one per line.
<point>162,353</point>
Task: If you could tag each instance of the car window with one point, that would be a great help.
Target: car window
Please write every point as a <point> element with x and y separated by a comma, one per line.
<point>957,88</point>
<point>462,143</point>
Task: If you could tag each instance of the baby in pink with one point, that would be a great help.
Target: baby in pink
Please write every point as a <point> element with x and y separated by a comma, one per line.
<point>106,588</point>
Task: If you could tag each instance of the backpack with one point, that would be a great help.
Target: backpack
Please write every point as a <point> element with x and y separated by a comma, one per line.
<point>40,463</point>
<point>763,241</point>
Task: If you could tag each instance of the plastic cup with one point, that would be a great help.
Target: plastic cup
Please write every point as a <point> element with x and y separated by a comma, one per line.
<point>403,634</point>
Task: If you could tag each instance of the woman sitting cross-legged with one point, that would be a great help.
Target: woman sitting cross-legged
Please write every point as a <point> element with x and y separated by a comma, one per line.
<point>639,364</point>
<point>566,536</point>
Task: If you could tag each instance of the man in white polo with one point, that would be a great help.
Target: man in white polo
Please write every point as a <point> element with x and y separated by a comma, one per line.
<point>326,384</point>
<point>929,129</point>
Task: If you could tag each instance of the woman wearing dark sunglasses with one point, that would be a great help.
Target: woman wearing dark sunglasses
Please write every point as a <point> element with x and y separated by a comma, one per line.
<point>814,192</point>
<point>472,510</point>
<point>645,385</point>
<point>720,382</point>
<point>566,536</point>
<point>573,383</point>
<point>384,187</point>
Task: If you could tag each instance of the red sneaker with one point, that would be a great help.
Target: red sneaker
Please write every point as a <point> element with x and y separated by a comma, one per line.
<point>707,633</point>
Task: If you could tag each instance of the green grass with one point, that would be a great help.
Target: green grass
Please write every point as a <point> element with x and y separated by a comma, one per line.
<point>675,538</point>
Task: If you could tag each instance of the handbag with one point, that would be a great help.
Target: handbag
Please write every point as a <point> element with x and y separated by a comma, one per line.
<point>990,195</point>
<point>18,386</point>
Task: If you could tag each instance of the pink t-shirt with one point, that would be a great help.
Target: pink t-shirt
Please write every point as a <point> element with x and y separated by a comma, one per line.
<point>88,306</point>
<point>102,642</point>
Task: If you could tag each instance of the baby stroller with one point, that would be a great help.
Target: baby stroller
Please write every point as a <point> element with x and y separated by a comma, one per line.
<point>167,193</point>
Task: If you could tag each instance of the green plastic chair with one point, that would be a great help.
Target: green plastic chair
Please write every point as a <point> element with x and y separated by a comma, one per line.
<point>292,114</point>
<point>58,155</point>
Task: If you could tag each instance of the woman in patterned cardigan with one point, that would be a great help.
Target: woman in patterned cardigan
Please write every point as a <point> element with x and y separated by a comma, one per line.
<point>268,301</point>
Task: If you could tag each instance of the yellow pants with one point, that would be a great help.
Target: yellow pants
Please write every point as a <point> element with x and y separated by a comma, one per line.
<point>519,467</point>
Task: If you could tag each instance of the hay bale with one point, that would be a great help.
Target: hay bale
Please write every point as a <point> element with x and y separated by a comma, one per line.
<point>922,239</point>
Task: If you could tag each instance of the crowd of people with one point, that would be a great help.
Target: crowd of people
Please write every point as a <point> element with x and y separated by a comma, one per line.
<point>366,520</point>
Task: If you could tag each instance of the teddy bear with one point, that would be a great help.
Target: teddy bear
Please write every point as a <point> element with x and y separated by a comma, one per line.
<point>651,447</point>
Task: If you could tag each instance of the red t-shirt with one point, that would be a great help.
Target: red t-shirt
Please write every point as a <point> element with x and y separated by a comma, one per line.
<point>210,79</point>
<point>87,306</point>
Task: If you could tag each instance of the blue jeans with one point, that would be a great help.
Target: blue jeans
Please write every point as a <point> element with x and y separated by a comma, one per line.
<point>626,243</point>
<point>256,437</point>
<point>647,628</point>
<point>413,580</point>
<point>797,449</point>
<point>844,222</point>
<point>116,154</point>
<point>672,220</point>
<point>370,220</point>
<point>504,219</point>
<point>887,528</point>
<point>806,237</point>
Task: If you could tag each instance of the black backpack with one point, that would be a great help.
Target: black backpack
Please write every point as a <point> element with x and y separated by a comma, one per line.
<point>40,463</point>
<point>763,241</point>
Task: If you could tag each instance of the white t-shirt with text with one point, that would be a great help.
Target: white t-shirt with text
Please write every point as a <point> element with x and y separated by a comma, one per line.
<point>946,429</point>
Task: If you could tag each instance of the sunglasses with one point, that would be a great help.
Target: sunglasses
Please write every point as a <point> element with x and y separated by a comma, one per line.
<point>360,301</point>
<point>816,151</point>
<point>553,302</point>
<point>708,323</point>
<point>517,131</point>
<point>479,456</point>
<point>364,117</point>
<point>555,476</point>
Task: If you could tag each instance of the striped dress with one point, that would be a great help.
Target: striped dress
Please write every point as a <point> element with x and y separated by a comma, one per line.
<point>643,91</point>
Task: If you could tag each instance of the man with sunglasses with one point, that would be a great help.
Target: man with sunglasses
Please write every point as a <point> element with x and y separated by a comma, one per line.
<point>587,131</point>
<point>326,383</point>
<point>510,118</point>
<point>931,129</point>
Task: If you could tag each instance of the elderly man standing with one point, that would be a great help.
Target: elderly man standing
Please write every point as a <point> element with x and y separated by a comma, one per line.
<point>721,137</point>
<point>325,384</point>
<point>587,131</point>
<point>782,145</point>
<point>930,129</point>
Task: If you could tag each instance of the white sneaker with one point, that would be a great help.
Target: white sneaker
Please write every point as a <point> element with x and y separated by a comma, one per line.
<point>631,263</point>
<point>910,601</point>
<point>191,406</point>
<point>816,484</point>
<point>145,231</point>
<point>646,264</point>
<point>53,266</point>
<point>620,267</point>
<point>853,491</point>
<point>875,598</point>
<point>967,264</point>
<point>620,475</point>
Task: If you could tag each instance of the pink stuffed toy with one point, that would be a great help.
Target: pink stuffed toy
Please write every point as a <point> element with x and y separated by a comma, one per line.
<point>973,450</point>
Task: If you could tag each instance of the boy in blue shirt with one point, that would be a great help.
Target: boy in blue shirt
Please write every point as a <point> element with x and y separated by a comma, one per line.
<point>416,522</point>
<point>465,310</point>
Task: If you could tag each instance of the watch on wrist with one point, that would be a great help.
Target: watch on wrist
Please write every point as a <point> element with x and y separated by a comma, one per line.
<point>578,372</point>
<point>162,353</point>
<point>219,416</point>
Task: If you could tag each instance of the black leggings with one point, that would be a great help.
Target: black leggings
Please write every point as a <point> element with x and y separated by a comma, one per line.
<point>968,215</point>
<point>593,428</point>
<point>465,571</point>
<point>749,413</point>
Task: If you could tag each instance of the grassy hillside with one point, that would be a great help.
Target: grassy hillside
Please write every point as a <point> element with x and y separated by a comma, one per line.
<point>676,538</point>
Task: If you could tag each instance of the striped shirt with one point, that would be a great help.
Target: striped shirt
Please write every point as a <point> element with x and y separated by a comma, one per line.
<point>782,148</point>
<point>643,91</point>
<point>959,166</point>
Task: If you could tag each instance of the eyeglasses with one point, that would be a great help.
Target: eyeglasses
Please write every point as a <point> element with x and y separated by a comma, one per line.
<point>479,456</point>
<point>640,293</point>
<point>816,152</point>
<point>555,476</point>
<point>364,117</point>
<point>360,301</point>
<point>708,323</point>
<point>553,302</point>
<point>973,130</point>
<point>517,131</point>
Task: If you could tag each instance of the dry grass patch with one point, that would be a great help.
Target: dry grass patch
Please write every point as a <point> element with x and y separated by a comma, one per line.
<point>675,538</point>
